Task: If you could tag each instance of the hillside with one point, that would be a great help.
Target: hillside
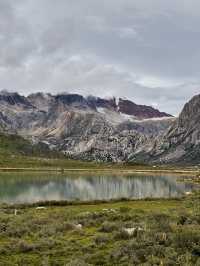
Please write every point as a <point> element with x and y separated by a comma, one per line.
<point>16,145</point>
<point>17,152</point>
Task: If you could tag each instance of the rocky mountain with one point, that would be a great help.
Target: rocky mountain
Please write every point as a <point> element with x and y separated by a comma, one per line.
<point>181,143</point>
<point>140,111</point>
<point>90,128</point>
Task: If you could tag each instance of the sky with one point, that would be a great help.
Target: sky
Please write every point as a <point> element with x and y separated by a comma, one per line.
<point>144,50</point>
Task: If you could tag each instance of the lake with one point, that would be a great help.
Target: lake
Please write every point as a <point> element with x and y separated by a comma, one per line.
<point>32,187</point>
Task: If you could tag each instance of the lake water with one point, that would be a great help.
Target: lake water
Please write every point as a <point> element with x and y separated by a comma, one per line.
<point>33,187</point>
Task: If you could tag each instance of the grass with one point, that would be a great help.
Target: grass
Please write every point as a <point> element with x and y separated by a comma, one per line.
<point>169,235</point>
<point>20,161</point>
<point>14,162</point>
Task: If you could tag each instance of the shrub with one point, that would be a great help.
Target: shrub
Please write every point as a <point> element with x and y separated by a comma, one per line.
<point>67,226</point>
<point>98,258</point>
<point>124,209</point>
<point>101,239</point>
<point>26,247</point>
<point>77,262</point>
<point>16,230</point>
<point>161,223</point>
<point>108,227</point>
<point>182,220</point>
<point>186,239</point>
<point>122,235</point>
<point>161,238</point>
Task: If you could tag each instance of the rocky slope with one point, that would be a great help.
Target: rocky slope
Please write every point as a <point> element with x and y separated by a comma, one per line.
<point>84,127</point>
<point>180,143</point>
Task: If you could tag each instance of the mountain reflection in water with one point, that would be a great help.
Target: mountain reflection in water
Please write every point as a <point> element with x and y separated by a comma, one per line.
<point>26,188</point>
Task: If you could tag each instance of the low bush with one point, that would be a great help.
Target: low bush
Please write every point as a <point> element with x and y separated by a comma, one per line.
<point>122,235</point>
<point>24,246</point>
<point>77,262</point>
<point>124,209</point>
<point>101,239</point>
<point>108,227</point>
<point>160,223</point>
<point>186,239</point>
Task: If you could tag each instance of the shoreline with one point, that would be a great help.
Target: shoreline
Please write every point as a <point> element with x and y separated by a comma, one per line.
<point>66,203</point>
<point>63,170</point>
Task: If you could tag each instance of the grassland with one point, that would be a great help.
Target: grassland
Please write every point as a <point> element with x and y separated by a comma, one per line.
<point>167,233</point>
<point>36,160</point>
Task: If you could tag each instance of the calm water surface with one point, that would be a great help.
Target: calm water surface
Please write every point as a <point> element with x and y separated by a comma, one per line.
<point>33,187</point>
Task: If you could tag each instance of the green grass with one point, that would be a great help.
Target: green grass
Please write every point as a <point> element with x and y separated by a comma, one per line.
<point>19,161</point>
<point>170,235</point>
<point>14,144</point>
<point>43,162</point>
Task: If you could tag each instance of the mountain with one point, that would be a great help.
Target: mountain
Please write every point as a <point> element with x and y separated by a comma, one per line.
<point>14,99</point>
<point>89,128</point>
<point>181,143</point>
<point>140,111</point>
<point>94,128</point>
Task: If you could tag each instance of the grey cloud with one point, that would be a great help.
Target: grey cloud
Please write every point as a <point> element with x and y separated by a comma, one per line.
<point>103,47</point>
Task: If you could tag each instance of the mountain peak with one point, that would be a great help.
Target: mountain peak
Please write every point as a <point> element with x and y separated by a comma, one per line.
<point>13,98</point>
<point>141,111</point>
<point>191,111</point>
<point>97,102</point>
<point>44,101</point>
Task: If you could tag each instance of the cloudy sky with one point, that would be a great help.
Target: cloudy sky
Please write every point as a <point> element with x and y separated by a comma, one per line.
<point>146,50</point>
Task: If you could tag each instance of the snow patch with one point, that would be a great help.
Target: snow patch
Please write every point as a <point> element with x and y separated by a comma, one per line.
<point>115,117</point>
<point>158,118</point>
<point>118,117</point>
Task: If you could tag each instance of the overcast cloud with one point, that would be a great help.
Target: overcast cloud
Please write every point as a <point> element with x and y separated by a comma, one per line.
<point>145,50</point>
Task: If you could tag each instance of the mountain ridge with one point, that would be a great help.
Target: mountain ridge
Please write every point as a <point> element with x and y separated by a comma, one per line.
<point>140,111</point>
<point>109,130</point>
